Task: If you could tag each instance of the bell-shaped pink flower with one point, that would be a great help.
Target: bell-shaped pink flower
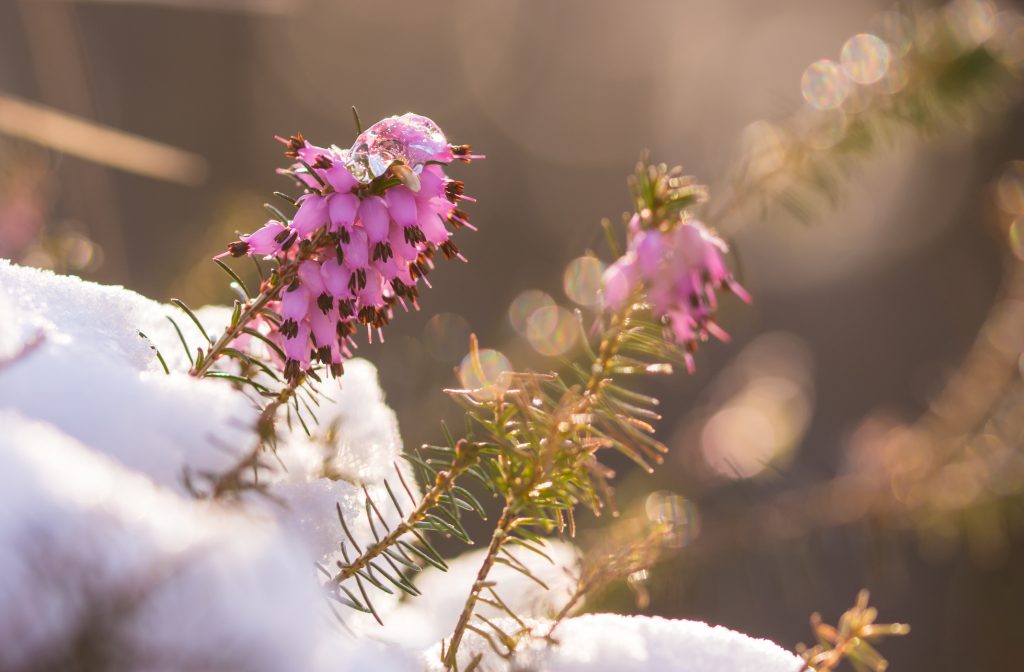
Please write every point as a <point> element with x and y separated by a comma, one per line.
<point>431,223</point>
<point>619,283</point>
<point>295,303</point>
<point>339,177</point>
<point>357,251</point>
<point>373,213</point>
<point>311,216</point>
<point>342,209</point>
<point>401,205</point>
<point>336,278</point>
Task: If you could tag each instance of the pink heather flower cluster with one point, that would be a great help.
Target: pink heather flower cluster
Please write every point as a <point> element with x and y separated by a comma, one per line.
<point>680,270</point>
<point>363,236</point>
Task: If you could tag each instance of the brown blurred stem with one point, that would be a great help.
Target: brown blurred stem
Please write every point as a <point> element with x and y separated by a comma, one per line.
<point>231,480</point>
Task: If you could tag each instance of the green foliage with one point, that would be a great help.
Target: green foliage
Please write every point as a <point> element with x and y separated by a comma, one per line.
<point>541,436</point>
<point>943,84</point>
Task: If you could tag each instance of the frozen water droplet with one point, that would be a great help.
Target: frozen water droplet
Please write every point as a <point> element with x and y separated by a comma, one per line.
<point>411,138</point>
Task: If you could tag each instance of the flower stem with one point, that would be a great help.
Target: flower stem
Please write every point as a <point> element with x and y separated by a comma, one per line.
<point>251,310</point>
<point>269,291</point>
<point>230,480</point>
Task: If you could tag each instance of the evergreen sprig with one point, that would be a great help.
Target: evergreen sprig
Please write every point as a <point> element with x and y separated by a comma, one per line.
<point>851,640</point>
<point>541,435</point>
<point>401,550</point>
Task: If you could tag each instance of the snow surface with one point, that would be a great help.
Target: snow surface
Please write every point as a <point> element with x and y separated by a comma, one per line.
<point>422,621</point>
<point>103,555</point>
<point>97,560</point>
<point>98,381</point>
<point>612,643</point>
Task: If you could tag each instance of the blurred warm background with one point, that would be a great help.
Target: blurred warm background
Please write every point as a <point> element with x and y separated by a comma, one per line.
<point>136,136</point>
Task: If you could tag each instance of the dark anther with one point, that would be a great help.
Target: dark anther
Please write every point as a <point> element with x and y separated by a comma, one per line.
<point>293,285</point>
<point>291,370</point>
<point>461,152</point>
<point>343,236</point>
<point>458,217</point>
<point>289,328</point>
<point>454,190</point>
<point>281,237</point>
<point>288,243</point>
<point>382,251</point>
<point>345,328</point>
<point>322,162</point>
<point>337,370</point>
<point>449,249</point>
<point>357,280</point>
<point>325,302</point>
<point>293,144</point>
<point>324,354</point>
<point>414,235</point>
<point>238,248</point>
<point>345,307</point>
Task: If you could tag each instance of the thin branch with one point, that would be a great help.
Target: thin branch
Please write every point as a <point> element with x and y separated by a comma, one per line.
<point>466,456</point>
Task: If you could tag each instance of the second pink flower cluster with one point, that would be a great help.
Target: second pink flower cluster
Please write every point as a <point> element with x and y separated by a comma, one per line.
<point>679,270</point>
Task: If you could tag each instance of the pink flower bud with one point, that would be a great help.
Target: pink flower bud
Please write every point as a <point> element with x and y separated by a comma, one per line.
<point>264,240</point>
<point>429,219</point>
<point>309,276</point>
<point>650,253</point>
<point>372,295</point>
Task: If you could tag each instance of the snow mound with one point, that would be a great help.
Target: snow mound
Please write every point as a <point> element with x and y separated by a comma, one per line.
<point>104,564</point>
<point>612,643</point>
<point>96,379</point>
<point>100,564</point>
<point>422,621</point>
<point>355,445</point>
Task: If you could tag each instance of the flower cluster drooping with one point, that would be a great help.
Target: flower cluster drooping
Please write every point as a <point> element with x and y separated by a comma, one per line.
<point>364,234</point>
<point>680,268</point>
